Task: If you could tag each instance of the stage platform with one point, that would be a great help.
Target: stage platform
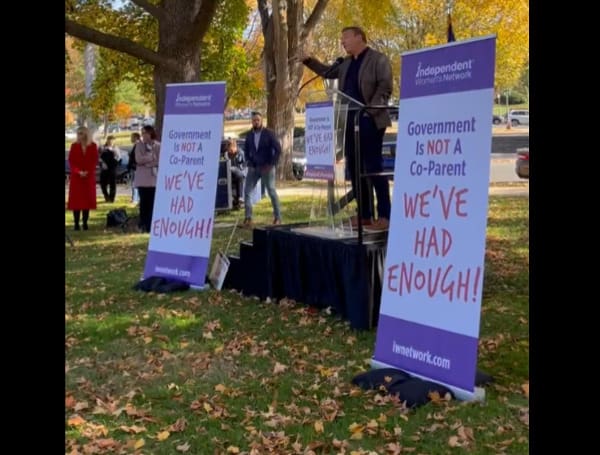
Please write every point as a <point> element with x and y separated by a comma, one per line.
<point>313,267</point>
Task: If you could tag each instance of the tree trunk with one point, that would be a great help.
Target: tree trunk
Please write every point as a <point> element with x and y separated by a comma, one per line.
<point>285,34</point>
<point>182,25</point>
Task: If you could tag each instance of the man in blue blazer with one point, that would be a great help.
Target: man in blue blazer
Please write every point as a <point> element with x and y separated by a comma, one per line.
<point>262,154</point>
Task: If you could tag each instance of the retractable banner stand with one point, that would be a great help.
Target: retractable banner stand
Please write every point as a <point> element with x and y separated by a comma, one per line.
<point>433,276</point>
<point>319,134</point>
<point>184,205</point>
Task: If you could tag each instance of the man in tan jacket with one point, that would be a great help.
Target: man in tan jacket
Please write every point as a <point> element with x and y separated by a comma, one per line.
<point>366,76</point>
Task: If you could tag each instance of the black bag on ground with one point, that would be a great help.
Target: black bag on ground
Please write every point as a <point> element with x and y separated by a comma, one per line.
<point>161,285</point>
<point>116,218</point>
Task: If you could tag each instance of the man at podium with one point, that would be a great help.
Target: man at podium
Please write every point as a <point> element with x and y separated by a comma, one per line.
<point>364,75</point>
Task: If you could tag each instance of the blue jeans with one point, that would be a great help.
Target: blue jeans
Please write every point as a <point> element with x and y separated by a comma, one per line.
<point>268,178</point>
<point>135,196</point>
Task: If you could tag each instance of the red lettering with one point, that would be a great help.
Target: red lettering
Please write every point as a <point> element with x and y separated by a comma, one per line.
<point>392,277</point>
<point>173,181</point>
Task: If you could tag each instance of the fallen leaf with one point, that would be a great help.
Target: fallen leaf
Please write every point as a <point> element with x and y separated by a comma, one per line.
<point>163,435</point>
<point>297,447</point>
<point>183,447</point>
<point>80,406</point>
<point>220,388</point>
<point>393,448</point>
<point>179,425</point>
<point>319,426</point>
<point>183,344</point>
<point>147,340</point>
<point>105,443</point>
<point>134,429</point>
<point>465,433</point>
<point>207,407</point>
<point>279,368</point>
<point>139,444</point>
<point>524,416</point>
<point>75,421</point>
<point>207,335</point>
<point>453,441</point>
<point>69,402</point>
<point>356,430</point>
<point>233,449</point>
<point>525,388</point>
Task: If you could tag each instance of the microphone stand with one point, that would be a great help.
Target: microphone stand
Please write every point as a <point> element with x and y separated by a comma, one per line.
<point>337,63</point>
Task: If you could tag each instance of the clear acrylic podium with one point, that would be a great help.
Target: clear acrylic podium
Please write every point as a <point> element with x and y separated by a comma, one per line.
<point>330,212</point>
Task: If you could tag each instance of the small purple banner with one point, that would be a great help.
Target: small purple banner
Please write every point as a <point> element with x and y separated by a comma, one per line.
<point>428,351</point>
<point>321,172</point>
<point>319,104</point>
<point>190,269</point>
<point>462,66</point>
<point>187,99</point>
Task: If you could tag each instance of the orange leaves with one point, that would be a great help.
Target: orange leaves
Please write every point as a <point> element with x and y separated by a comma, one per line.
<point>525,388</point>
<point>76,421</point>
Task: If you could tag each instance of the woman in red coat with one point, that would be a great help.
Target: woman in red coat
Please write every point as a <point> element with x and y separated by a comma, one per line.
<point>83,158</point>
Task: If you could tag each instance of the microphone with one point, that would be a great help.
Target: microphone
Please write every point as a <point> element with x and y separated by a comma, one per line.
<point>338,62</point>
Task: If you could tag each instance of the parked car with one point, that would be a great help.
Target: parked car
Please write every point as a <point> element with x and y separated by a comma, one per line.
<point>518,117</point>
<point>497,120</point>
<point>522,163</point>
<point>298,158</point>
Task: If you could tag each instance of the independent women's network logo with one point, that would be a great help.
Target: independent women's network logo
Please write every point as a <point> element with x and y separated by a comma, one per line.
<point>192,100</point>
<point>434,74</point>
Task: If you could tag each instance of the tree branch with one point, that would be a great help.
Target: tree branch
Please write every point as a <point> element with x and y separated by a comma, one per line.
<point>116,43</point>
<point>313,19</point>
<point>155,10</point>
<point>203,19</point>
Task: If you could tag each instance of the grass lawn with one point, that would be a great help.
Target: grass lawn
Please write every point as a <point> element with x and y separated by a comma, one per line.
<point>214,372</point>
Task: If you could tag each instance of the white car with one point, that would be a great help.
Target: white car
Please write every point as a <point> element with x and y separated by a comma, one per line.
<point>518,117</point>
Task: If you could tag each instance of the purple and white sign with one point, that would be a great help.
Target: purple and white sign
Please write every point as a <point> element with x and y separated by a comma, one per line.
<point>318,136</point>
<point>184,205</point>
<point>433,276</point>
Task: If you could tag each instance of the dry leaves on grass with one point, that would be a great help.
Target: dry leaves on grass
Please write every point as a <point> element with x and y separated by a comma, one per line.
<point>525,388</point>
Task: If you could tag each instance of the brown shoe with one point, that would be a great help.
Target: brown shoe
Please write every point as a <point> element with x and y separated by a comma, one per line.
<point>381,224</point>
<point>276,221</point>
<point>247,223</point>
<point>365,221</point>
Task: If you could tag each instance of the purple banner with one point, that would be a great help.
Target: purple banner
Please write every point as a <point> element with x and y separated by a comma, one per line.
<point>321,172</point>
<point>460,67</point>
<point>191,269</point>
<point>434,353</point>
<point>186,99</point>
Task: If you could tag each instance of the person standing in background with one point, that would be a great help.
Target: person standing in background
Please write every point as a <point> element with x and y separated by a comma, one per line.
<point>131,167</point>
<point>109,160</point>
<point>83,158</point>
<point>238,169</point>
<point>262,154</point>
<point>147,153</point>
